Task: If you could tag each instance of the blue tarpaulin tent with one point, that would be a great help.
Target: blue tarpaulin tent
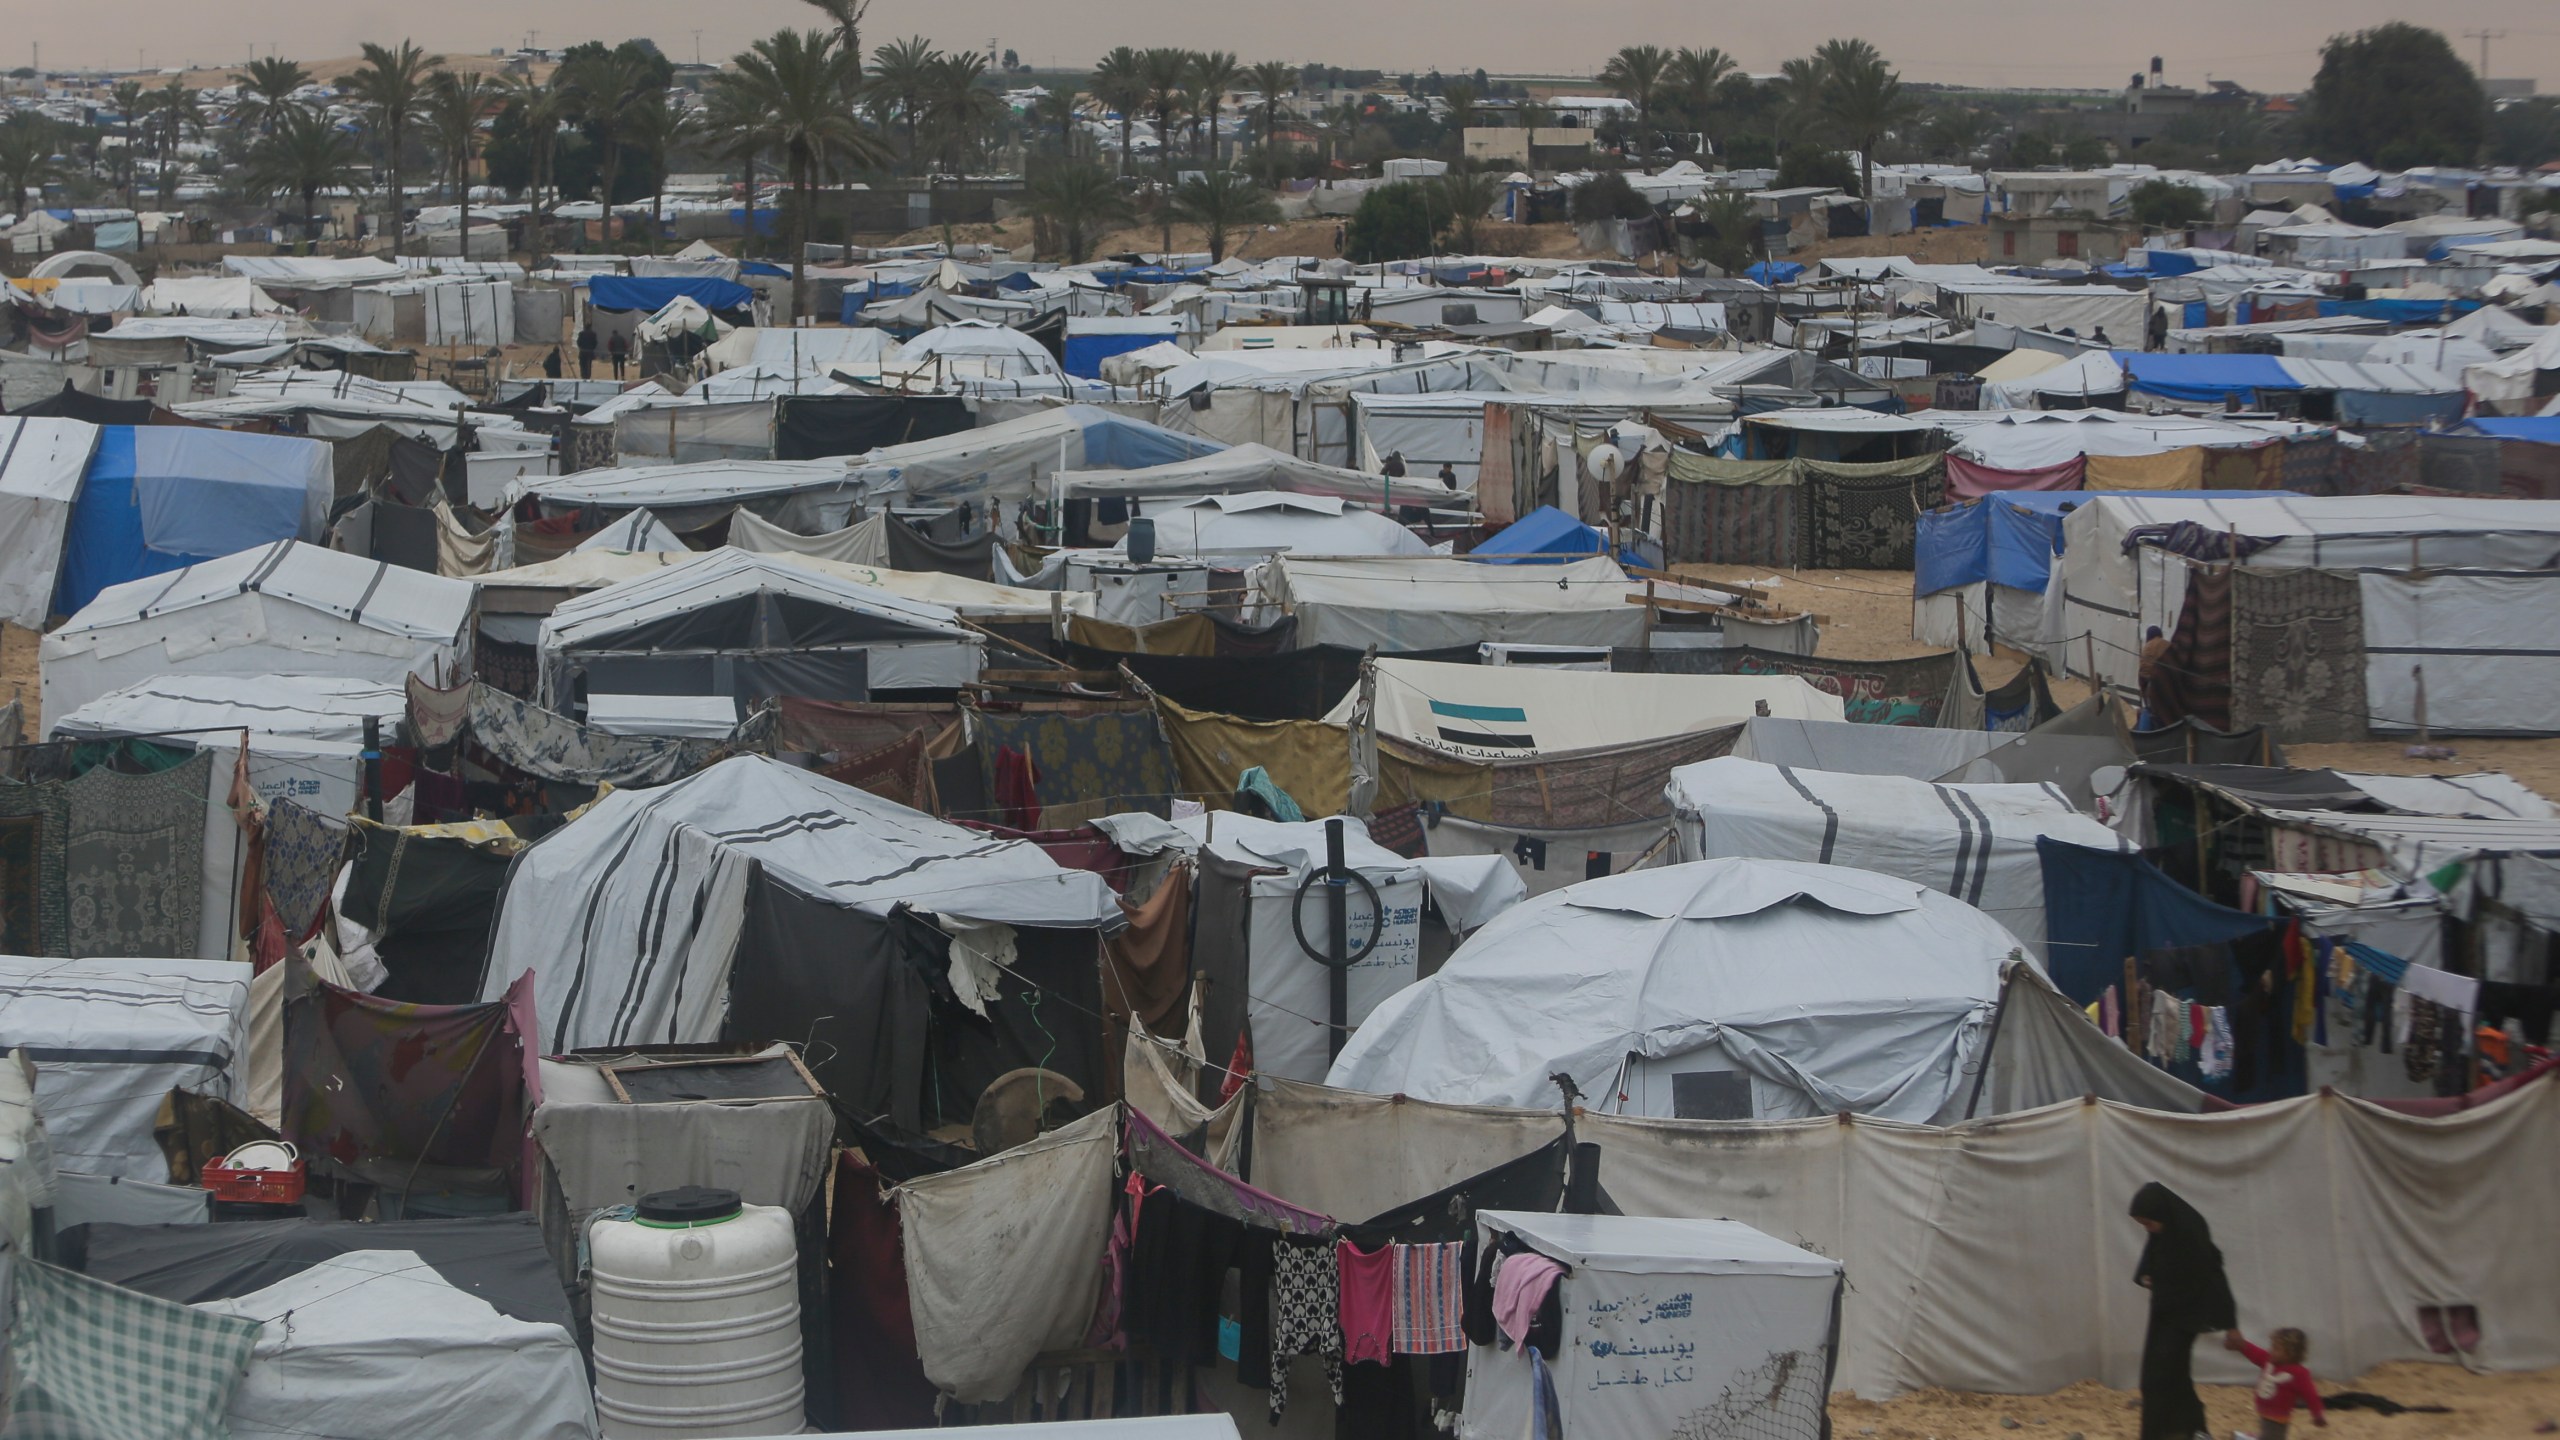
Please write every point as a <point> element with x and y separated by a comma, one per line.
<point>2399,312</point>
<point>1092,340</point>
<point>2009,538</point>
<point>1547,536</point>
<point>2542,428</point>
<point>635,292</point>
<point>1774,272</point>
<point>2204,379</point>
<point>158,498</point>
<point>2102,906</point>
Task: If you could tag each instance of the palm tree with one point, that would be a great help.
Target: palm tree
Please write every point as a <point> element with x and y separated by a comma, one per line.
<point>658,128</point>
<point>1215,72</point>
<point>1056,111</point>
<point>266,89</point>
<point>901,74</point>
<point>959,106</point>
<point>1076,204</point>
<point>1469,196</point>
<point>612,89</point>
<point>1694,76</point>
<point>303,154</point>
<point>540,108</point>
<point>1635,74</point>
<point>179,112</point>
<point>796,79</point>
<point>133,104</point>
<point>847,16</point>
<point>1799,96</point>
<point>1461,99</point>
<point>1960,130</point>
<point>1272,79</point>
<point>1120,83</point>
<point>1222,202</point>
<point>391,89</point>
<point>1168,73</point>
<point>737,128</point>
<point>26,157</point>
<point>1862,99</point>
<point>456,105</point>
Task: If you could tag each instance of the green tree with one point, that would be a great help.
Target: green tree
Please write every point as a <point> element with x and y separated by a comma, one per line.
<point>1120,84</point>
<point>1959,132</point>
<point>1055,113</point>
<point>1863,101</point>
<point>2166,205</point>
<point>611,89</point>
<point>1075,205</point>
<point>737,128</point>
<point>133,110</point>
<point>2084,152</point>
<point>796,78</point>
<point>1807,165</point>
<point>2525,134</point>
<point>902,73</point>
<point>847,16</point>
<point>177,111</point>
<point>1394,222</point>
<point>1222,202</point>
<point>657,129</point>
<point>2396,96</point>
<point>1461,97</point>
<point>391,92</point>
<point>530,122</point>
<point>959,108</point>
<point>1729,231</point>
<point>1608,196</point>
<point>266,89</point>
<point>1168,71</point>
<point>1693,78</point>
<point>2032,149</point>
<point>456,105</point>
<point>1272,79</point>
<point>1468,197</point>
<point>1213,74</point>
<point>303,153</point>
<point>27,142</point>
<point>1635,74</point>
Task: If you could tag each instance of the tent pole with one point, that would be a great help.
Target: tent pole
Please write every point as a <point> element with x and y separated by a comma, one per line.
<point>1982,1072</point>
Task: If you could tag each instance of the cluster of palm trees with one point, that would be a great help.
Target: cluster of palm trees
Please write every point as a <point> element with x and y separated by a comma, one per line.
<point>1845,92</point>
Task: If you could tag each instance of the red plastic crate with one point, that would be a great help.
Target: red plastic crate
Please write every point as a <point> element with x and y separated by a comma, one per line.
<point>263,1187</point>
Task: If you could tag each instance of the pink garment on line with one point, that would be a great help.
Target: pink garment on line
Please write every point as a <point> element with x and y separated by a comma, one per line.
<point>1368,1301</point>
<point>1520,1286</point>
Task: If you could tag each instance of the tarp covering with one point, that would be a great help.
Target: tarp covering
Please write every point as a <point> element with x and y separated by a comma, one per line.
<point>811,427</point>
<point>1542,533</point>
<point>1975,842</point>
<point>41,462</point>
<point>1013,460</point>
<point>1880,1007</point>
<point>652,293</point>
<point>1493,712</point>
<point>1246,527</point>
<point>608,1151</point>
<point>161,497</point>
<point>2205,379</point>
<point>2105,905</point>
<point>110,1038</point>
<point>1402,603</point>
<point>2484,674</point>
<point>499,1258</point>
<point>1252,466</point>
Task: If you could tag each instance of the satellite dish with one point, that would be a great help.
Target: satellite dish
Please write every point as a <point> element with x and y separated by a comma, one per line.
<point>1015,1106</point>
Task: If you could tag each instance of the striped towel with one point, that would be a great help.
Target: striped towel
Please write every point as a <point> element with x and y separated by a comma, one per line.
<point>1429,1298</point>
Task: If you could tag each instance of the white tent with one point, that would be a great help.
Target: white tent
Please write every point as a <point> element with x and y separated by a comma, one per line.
<point>635,533</point>
<point>970,349</point>
<point>110,1038</point>
<point>1494,712</point>
<point>282,609</point>
<point>2091,373</point>
<point>586,910</point>
<point>227,296</point>
<point>719,602</point>
<point>1401,602</point>
<point>822,488</point>
<point>375,1345</point>
<point>1260,525</point>
<point>794,351</point>
<point>41,462</point>
<point>1013,459</point>
<point>1679,1327</point>
<point>1728,989</point>
<point>1254,467</point>
<point>1974,842</point>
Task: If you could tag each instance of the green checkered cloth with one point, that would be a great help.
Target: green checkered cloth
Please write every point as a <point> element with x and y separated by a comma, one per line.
<point>99,1362</point>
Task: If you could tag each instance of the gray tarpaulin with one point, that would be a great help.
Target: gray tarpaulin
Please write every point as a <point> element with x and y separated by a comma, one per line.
<point>772,1152</point>
<point>1004,1257</point>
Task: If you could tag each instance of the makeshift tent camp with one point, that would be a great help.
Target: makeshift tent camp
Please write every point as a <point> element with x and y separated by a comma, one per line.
<point>1013,460</point>
<point>111,1038</point>
<point>734,623</point>
<point>376,1343</point>
<point>1250,467</point>
<point>41,462</point>
<point>1494,712</point>
<point>1974,842</point>
<point>1419,603</point>
<point>157,498</point>
<point>285,609</point>
<point>797,924</point>
<point>1656,985</point>
<point>1257,526</point>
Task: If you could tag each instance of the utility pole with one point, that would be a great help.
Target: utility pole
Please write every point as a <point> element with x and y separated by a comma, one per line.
<point>2484,37</point>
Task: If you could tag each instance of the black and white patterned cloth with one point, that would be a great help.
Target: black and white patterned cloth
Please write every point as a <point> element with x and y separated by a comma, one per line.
<point>1306,1314</point>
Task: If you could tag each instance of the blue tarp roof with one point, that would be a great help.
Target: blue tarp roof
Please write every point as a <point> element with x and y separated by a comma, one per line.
<point>635,292</point>
<point>160,498</point>
<point>2398,312</point>
<point>2103,905</point>
<point>1547,531</point>
<point>2009,538</point>
<point>2204,379</point>
<point>1774,272</point>
<point>2543,428</point>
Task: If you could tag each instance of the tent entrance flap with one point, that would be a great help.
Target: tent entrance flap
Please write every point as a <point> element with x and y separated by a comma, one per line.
<point>836,673</point>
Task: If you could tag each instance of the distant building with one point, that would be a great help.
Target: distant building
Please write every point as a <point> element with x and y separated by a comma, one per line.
<point>1549,147</point>
<point>2042,239</point>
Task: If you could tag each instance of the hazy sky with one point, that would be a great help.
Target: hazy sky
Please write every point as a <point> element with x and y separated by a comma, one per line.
<point>2267,44</point>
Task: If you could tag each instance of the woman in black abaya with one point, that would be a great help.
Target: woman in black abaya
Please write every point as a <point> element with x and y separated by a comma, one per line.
<point>2190,1296</point>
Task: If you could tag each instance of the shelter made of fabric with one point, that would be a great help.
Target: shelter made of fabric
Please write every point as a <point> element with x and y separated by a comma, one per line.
<point>1796,513</point>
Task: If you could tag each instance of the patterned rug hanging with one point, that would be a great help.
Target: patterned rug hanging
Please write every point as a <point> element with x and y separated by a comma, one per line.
<point>135,861</point>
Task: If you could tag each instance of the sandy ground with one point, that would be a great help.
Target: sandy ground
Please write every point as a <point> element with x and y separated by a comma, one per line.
<point>1957,246</point>
<point>2481,1406</point>
<point>18,669</point>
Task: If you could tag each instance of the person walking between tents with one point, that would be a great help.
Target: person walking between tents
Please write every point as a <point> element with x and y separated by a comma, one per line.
<point>587,352</point>
<point>2190,1296</point>
<point>620,349</point>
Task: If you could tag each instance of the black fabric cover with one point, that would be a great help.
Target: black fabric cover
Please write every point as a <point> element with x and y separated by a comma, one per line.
<point>500,1258</point>
<point>2271,787</point>
<point>746,674</point>
<point>432,900</point>
<point>1533,1182</point>
<point>971,558</point>
<point>70,404</point>
<point>2193,742</point>
<point>1293,685</point>
<point>416,472</point>
<point>404,535</point>
<point>819,427</point>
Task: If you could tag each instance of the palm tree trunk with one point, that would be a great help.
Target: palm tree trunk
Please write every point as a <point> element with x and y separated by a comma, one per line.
<point>748,245</point>
<point>612,172</point>
<point>1867,188</point>
<point>1128,128</point>
<point>801,184</point>
<point>391,178</point>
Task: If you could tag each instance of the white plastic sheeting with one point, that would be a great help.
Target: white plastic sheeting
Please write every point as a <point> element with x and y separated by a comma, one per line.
<point>609,1152</point>
<point>1967,1238</point>
<point>1420,603</point>
<point>375,1345</point>
<point>1974,842</point>
<point>228,297</point>
<point>1495,712</point>
<point>2457,632</point>
<point>282,609</point>
<point>1253,467</point>
<point>664,487</point>
<point>864,542</point>
<point>1659,984</point>
<point>110,1038</point>
<point>1269,523</point>
<point>585,910</point>
<point>41,462</point>
<point>634,533</point>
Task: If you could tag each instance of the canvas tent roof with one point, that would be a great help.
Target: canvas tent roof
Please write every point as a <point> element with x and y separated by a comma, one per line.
<point>976,347</point>
<point>110,1037</point>
<point>158,497</point>
<point>278,709</point>
<point>1013,459</point>
<point>41,463</point>
<point>635,533</point>
<point>712,482</point>
<point>313,272</point>
<point>584,570</point>
<point>1913,751</point>
<point>605,973</point>
<point>283,609</point>
<point>1887,989</point>
<point>1253,467</point>
<point>1975,842</point>
<point>1271,522</point>
<point>1505,712</point>
<point>1427,603</point>
<point>2033,439</point>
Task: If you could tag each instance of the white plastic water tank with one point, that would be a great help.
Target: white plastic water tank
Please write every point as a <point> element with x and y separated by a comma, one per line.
<point>697,1318</point>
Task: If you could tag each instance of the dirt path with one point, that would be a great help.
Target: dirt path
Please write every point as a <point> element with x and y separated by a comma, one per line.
<point>2481,1406</point>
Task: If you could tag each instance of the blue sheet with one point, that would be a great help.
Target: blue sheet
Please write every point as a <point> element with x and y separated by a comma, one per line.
<point>2101,906</point>
<point>2204,379</point>
<point>635,292</point>
<point>1114,442</point>
<point>1775,272</point>
<point>157,499</point>
<point>2008,539</point>
<point>2399,312</point>
<point>1548,536</point>
<point>2544,429</point>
